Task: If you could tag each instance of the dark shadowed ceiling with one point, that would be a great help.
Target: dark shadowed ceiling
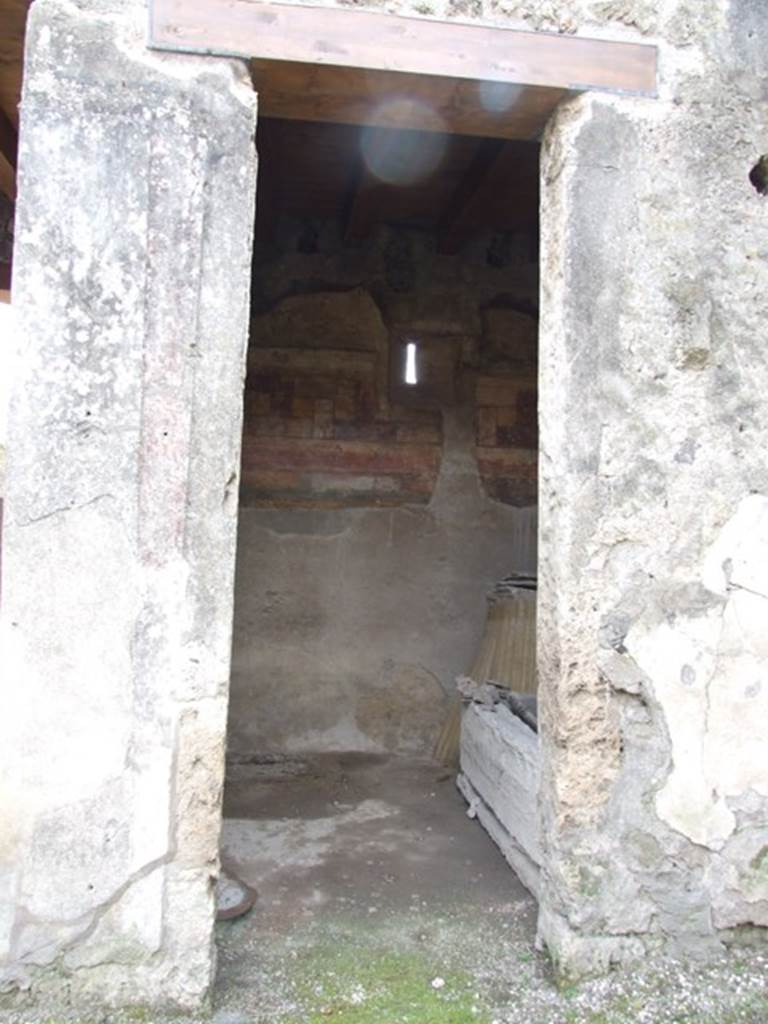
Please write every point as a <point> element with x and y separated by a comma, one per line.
<point>454,184</point>
<point>363,176</point>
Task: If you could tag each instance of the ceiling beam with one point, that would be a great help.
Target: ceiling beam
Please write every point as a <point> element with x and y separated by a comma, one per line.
<point>456,217</point>
<point>388,42</point>
<point>267,197</point>
<point>496,164</point>
<point>9,143</point>
<point>363,207</point>
<point>7,179</point>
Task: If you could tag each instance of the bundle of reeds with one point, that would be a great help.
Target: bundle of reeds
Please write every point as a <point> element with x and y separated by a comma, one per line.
<point>506,655</point>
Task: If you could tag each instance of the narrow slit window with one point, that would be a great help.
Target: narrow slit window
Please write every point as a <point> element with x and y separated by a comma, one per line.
<point>411,372</point>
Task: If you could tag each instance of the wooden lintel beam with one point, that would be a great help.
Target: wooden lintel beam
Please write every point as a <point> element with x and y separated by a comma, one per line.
<point>388,42</point>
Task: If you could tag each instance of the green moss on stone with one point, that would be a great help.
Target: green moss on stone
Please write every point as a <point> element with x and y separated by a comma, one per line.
<point>355,984</point>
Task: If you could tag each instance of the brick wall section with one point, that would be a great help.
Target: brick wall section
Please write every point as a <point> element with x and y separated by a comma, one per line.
<point>330,422</point>
<point>507,437</point>
<point>317,434</point>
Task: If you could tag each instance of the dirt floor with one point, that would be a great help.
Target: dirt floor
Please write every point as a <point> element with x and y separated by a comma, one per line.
<point>380,902</point>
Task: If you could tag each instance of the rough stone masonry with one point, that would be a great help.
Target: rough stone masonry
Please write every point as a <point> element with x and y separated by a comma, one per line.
<point>136,192</point>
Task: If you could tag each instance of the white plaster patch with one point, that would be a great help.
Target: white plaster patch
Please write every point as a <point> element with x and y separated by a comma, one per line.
<point>344,735</point>
<point>709,675</point>
<point>681,661</point>
<point>739,556</point>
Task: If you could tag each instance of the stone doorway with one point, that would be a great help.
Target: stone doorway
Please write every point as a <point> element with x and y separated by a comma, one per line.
<point>132,266</point>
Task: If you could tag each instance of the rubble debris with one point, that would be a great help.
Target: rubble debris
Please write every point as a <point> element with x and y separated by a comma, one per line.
<point>523,705</point>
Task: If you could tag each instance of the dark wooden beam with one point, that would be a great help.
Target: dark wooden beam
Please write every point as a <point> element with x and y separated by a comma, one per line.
<point>9,143</point>
<point>455,218</point>
<point>267,198</point>
<point>387,42</point>
<point>7,179</point>
<point>363,207</point>
<point>316,92</point>
<point>499,167</point>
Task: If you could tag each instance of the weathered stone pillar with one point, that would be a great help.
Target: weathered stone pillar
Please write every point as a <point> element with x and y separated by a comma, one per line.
<point>131,280</point>
<point>654,508</point>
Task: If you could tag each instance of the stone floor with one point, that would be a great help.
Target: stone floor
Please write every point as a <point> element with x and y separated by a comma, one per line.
<point>360,835</point>
<point>380,902</point>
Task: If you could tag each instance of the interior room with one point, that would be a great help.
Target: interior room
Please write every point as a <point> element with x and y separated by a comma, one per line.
<point>388,484</point>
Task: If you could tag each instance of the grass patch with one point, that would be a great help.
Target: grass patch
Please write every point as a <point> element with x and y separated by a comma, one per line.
<point>358,985</point>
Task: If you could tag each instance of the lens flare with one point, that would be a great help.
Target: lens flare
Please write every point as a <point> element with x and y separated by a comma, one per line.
<point>498,97</point>
<point>403,157</point>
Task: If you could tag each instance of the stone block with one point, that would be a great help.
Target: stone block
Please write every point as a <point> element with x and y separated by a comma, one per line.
<point>500,758</point>
<point>526,870</point>
<point>138,171</point>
